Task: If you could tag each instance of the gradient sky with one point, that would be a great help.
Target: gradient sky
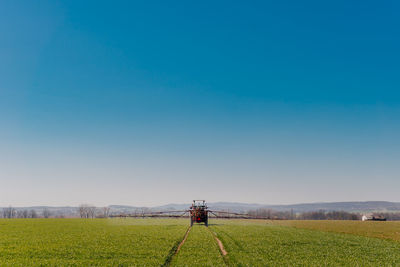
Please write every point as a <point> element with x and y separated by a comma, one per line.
<point>153,102</point>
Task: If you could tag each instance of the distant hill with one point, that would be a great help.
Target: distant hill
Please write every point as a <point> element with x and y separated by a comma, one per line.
<point>366,206</point>
<point>357,207</point>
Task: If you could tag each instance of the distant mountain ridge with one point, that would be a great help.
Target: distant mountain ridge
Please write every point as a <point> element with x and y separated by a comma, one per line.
<point>350,206</point>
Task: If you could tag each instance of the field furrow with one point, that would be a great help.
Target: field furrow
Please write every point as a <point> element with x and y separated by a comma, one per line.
<point>200,249</point>
<point>176,248</point>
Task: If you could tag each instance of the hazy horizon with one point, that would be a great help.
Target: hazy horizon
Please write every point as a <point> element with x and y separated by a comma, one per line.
<point>146,104</point>
<point>189,203</point>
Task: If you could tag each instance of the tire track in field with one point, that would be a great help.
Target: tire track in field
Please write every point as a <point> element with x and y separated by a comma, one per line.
<point>224,253</point>
<point>175,249</point>
<point>221,247</point>
<point>183,240</point>
<point>237,243</point>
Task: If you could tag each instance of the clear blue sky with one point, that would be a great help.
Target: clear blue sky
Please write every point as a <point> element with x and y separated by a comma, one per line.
<point>153,102</point>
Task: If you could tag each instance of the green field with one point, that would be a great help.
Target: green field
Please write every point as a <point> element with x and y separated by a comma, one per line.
<point>384,230</point>
<point>199,249</point>
<point>254,243</point>
<point>154,242</point>
<point>79,242</point>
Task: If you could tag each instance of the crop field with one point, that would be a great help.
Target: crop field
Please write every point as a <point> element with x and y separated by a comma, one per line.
<point>255,243</point>
<point>384,230</point>
<point>78,242</point>
<point>162,242</point>
<point>199,249</point>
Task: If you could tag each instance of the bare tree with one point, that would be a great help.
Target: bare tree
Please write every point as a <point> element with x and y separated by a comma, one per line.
<point>21,214</point>
<point>82,210</point>
<point>33,214</point>
<point>87,211</point>
<point>92,211</point>
<point>25,213</point>
<point>9,212</point>
<point>46,213</point>
<point>106,212</point>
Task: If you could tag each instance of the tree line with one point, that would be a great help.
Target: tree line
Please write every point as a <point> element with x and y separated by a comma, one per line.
<point>317,215</point>
<point>89,211</point>
<point>11,212</point>
<point>83,211</point>
<point>312,215</point>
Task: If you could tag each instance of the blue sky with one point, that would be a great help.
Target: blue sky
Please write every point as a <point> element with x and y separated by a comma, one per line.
<point>144,103</point>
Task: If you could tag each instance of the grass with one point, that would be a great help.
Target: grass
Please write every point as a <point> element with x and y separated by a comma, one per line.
<point>383,230</point>
<point>260,244</point>
<point>152,242</point>
<point>200,249</point>
<point>98,242</point>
